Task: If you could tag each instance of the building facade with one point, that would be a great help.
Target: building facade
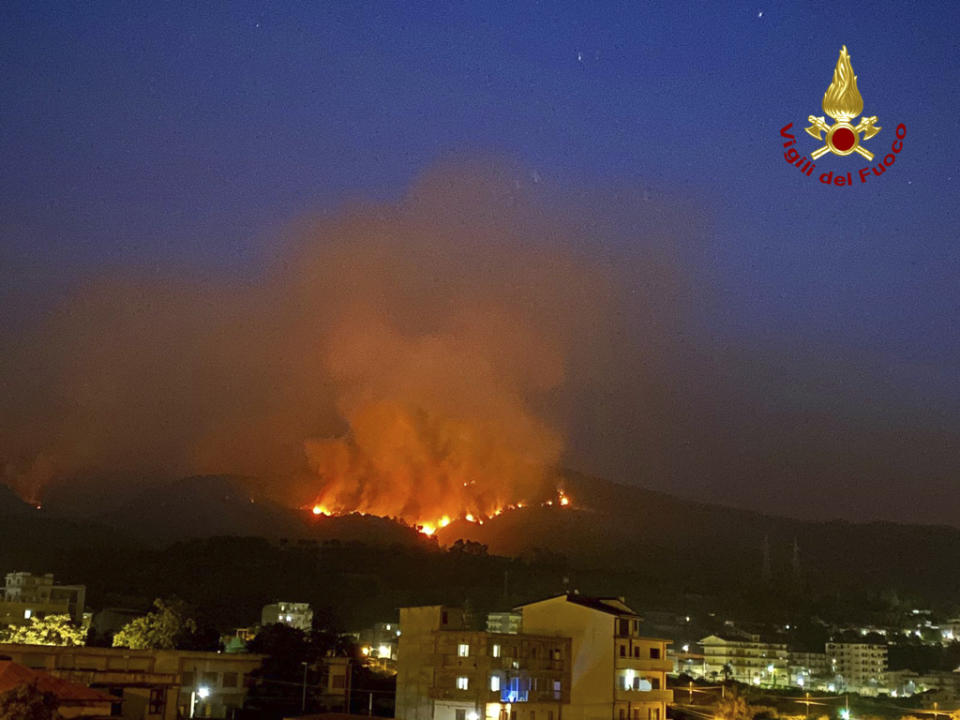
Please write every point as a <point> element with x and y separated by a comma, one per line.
<point>26,595</point>
<point>861,666</point>
<point>148,684</point>
<point>504,622</point>
<point>746,658</point>
<point>446,671</point>
<point>296,615</point>
<point>616,673</point>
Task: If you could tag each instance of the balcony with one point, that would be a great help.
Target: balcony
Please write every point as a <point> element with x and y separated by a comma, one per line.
<point>648,664</point>
<point>651,696</point>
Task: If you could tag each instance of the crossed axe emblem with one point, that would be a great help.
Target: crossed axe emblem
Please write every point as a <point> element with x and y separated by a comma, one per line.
<point>842,138</point>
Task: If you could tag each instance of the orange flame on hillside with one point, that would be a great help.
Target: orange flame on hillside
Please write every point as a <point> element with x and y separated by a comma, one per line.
<point>430,527</point>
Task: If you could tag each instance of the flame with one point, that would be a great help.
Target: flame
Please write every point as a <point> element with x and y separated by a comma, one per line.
<point>429,528</point>
<point>842,101</point>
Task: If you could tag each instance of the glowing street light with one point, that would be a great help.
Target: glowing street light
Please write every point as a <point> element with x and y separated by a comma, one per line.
<point>202,692</point>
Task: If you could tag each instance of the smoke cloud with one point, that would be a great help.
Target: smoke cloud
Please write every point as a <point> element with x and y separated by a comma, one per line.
<point>414,359</point>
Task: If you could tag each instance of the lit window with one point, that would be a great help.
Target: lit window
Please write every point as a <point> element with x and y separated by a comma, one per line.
<point>463,682</point>
<point>494,683</point>
<point>495,651</point>
<point>463,650</point>
<point>27,614</point>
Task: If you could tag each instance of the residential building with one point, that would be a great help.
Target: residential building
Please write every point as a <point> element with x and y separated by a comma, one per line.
<point>148,684</point>
<point>296,615</point>
<point>335,686</point>
<point>615,672</point>
<point>447,671</point>
<point>504,622</point>
<point>950,631</point>
<point>861,666</point>
<point>73,700</point>
<point>746,658</point>
<point>806,669</point>
<point>379,643</point>
<point>26,595</point>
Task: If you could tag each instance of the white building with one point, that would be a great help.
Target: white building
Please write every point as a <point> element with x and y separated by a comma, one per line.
<point>861,666</point>
<point>746,658</point>
<point>296,615</point>
<point>26,595</point>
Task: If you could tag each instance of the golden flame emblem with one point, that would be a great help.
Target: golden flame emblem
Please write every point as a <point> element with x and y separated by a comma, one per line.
<point>842,101</point>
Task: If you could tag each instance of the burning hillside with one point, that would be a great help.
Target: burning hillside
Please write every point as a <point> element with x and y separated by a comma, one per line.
<point>429,527</point>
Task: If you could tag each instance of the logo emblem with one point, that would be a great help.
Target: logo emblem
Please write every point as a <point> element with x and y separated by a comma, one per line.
<point>843,103</point>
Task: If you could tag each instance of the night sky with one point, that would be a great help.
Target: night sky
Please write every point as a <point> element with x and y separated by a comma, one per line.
<point>820,373</point>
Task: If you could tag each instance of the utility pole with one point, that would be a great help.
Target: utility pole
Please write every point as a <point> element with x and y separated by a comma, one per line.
<point>303,695</point>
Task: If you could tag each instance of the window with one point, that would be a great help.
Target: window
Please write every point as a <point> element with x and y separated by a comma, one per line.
<point>186,679</point>
<point>463,682</point>
<point>495,651</point>
<point>339,682</point>
<point>654,683</point>
<point>623,714</point>
<point>533,652</point>
<point>494,683</point>
<point>636,714</point>
<point>557,687</point>
<point>623,651</point>
<point>443,618</point>
<point>210,678</point>
<point>533,715</point>
<point>624,627</point>
<point>156,701</point>
<point>555,654</point>
<point>463,650</point>
<point>461,714</point>
<point>636,652</point>
<point>229,679</point>
<point>655,653</point>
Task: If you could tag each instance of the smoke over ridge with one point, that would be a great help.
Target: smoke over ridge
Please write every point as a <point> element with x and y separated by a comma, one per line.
<point>413,359</point>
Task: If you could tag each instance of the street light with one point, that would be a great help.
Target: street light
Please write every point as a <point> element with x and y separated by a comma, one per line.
<point>202,692</point>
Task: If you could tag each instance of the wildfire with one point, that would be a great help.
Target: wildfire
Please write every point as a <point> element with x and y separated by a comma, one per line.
<point>429,528</point>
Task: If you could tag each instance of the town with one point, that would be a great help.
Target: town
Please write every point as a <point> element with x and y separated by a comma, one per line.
<point>566,656</point>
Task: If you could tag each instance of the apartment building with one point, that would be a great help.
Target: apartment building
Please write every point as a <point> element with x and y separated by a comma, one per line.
<point>148,684</point>
<point>296,615</point>
<point>746,658</point>
<point>447,671</point>
<point>808,669</point>
<point>26,595</point>
<point>861,666</point>
<point>616,674</point>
